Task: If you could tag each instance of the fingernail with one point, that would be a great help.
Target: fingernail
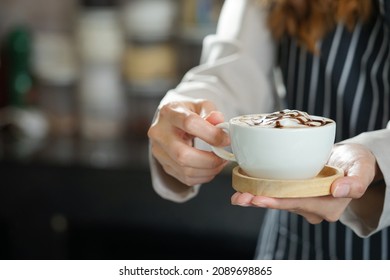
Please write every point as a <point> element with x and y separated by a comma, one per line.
<point>342,190</point>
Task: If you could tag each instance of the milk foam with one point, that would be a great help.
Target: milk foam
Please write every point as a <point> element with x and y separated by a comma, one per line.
<point>283,119</point>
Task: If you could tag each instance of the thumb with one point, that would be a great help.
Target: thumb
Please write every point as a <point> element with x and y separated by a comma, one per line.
<point>359,166</point>
<point>354,185</point>
<point>214,118</point>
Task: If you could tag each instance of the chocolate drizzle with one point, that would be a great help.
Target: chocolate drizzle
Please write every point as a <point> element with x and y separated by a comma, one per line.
<point>294,118</point>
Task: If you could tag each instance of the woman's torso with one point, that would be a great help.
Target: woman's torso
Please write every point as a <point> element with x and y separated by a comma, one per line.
<point>349,81</point>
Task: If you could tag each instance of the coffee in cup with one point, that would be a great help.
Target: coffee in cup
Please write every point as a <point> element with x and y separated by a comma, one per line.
<point>284,145</point>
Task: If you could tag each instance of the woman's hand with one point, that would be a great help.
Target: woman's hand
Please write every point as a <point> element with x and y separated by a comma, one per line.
<point>172,135</point>
<point>360,169</point>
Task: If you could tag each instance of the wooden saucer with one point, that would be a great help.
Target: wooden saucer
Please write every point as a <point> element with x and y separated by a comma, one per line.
<point>318,186</point>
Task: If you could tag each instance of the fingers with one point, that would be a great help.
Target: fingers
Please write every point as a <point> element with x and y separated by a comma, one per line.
<point>327,207</point>
<point>314,210</point>
<point>172,134</point>
<point>200,168</point>
<point>187,156</point>
<point>193,124</point>
<point>214,117</point>
<point>242,199</point>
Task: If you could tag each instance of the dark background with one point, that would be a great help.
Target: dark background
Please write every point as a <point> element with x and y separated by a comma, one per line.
<point>78,212</point>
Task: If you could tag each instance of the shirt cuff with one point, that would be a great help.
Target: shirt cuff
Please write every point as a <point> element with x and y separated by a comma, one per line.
<point>378,142</point>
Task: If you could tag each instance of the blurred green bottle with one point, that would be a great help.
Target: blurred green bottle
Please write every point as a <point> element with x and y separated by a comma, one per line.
<point>16,59</point>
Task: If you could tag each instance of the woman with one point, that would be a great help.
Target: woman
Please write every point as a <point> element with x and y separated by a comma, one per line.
<point>334,57</point>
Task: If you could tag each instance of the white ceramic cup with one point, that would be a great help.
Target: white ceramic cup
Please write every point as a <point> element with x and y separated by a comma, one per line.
<point>278,153</point>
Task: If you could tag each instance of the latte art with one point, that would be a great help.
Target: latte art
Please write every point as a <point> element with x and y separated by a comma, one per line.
<point>284,119</point>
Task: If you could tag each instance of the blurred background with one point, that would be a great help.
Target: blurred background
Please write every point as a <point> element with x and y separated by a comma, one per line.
<point>80,81</point>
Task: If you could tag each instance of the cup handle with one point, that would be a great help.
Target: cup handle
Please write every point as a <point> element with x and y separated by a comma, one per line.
<point>220,151</point>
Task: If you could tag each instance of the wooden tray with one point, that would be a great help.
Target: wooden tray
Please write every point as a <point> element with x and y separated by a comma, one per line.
<point>318,186</point>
